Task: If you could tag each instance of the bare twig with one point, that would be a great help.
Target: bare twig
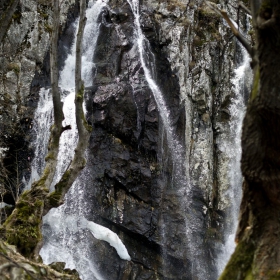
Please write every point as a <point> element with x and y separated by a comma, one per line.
<point>6,17</point>
<point>16,264</point>
<point>237,34</point>
<point>243,7</point>
<point>235,31</point>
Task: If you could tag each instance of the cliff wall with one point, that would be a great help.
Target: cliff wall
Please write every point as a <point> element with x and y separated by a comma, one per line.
<point>131,184</point>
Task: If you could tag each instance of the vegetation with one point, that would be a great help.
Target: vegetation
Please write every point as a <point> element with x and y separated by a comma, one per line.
<point>23,227</point>
<point>256,255</point>
<point>15,266</point>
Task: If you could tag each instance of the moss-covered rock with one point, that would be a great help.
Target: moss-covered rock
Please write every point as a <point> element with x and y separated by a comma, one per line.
<point>22,228</point>
<point>241,258</point>
<point>15,266</point>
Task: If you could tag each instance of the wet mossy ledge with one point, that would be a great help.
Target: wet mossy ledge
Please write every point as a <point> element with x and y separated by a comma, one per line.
<point>241,264</point>
<point>242,258</point>
<point>15,266</point>
<point>22,234</point>
<point>25,233</point>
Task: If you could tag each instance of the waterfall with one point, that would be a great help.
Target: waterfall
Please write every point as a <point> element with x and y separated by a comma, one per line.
<point>42,121</point>
<point>232,147</point>
<point>148,64</point>
<point>65,230</point>
<point>66,233</point>
<point>43,118</point>
<point>64,238</point>
<point>180,177</point>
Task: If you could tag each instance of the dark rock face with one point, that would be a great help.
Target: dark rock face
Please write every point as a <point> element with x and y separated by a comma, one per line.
<point>123,148</point>
<point>131,180</point>
<point>128,155</point>
<point>130,167</point>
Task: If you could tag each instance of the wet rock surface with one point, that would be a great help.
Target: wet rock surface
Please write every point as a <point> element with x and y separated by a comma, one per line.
<point>24,70</point>
<point>128,149</point>
<point>130,180</point>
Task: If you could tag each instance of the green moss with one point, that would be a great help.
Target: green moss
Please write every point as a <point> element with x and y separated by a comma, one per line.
<point>25,194</point>
<point>251,31</point>
<point>53,199</point>
<point>61,184</point>
<point>36,270</point>
<point>256,82</point>
<point>207,27</point>
<point>273,275</point>
<point>80,94</point>
<point>249,275</point>
<point>184,21</point>
<point>42,13</point>
<point>50,155</point>
<point>176,4</point>
<point>239,265</point>
<point>79,98</point>
<point>41,182</point>
<point>14,67</point>
<point>23,225</point>
<point>48,28</point>
<point>207,15</point>
<point>3,248</point>
<point>198,41</point>
<point>86,125</point>
<point>84,162</point>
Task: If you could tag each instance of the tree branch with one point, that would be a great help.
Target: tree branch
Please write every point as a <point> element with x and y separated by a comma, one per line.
<point>78,162</point>
<point>57,128</point>
<point>242,6</point>
<point>245,43</point>
<point>255,6</point>
<point>38,200</point>
<point>58,113</point>
<point>7,17</point>
<point>7,265</point>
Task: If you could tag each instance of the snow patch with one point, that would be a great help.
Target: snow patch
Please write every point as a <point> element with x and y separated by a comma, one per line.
<point>105,234</point>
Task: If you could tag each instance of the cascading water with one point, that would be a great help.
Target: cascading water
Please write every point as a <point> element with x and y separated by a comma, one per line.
<point>42,120</point>
<point>145,52</point>
<point>233,148</point>
<point>180,177</point>
<point>67,83</point>
<point>65,230</point>
<point>65,238</point>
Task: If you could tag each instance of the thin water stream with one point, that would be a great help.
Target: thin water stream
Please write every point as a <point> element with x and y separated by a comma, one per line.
<point>232,146</point>
<point>43,118</point>
<point>180,178</point>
